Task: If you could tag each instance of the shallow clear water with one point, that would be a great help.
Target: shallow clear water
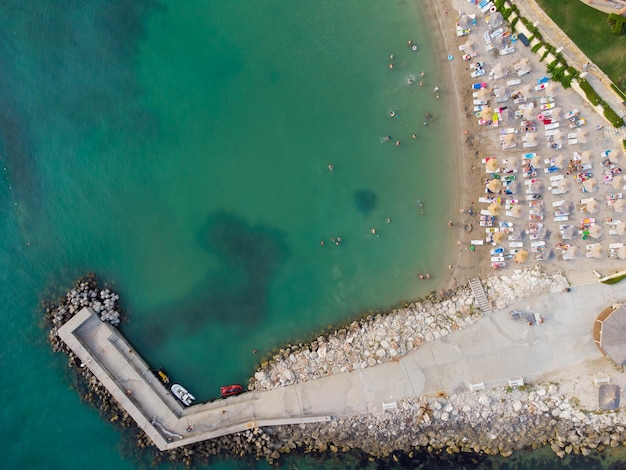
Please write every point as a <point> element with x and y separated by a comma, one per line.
<point>181,151</point>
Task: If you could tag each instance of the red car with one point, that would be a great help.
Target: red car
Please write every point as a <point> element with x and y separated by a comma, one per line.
<point>230,390</point>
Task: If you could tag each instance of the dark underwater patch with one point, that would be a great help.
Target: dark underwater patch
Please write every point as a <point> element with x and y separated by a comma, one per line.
<point>365,200</point>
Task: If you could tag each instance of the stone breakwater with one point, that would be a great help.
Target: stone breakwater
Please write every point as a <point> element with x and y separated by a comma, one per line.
<point>498,421</point>
<point>86,293</point>
<point>380,338</point>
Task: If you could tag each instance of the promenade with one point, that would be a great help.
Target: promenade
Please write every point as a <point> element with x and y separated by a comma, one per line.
<point>493,351</point>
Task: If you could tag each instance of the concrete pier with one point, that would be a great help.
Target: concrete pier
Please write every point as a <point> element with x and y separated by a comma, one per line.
<point>491,352</point>
<point>107,354</point>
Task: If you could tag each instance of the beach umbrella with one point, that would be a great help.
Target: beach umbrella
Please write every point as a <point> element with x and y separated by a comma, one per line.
<point>557,137</point>
<point>492,164</point>
<point>590,185</point>
<point>495,19</point>
<point>498,237</point>
<point>516,210</point>
<point>596,250</point>
<point>592,206</point>
<point>559,162</point>
<point>621,252</point>
<point>514,186</point>
<point>569,232</point>
<point>486,112</point>
<point>585,157</point>
<point>531,140</point>
<point>618,206</point>
<point>494,185</point>
<point>521,256</point>
<point>465,21</point>
<point>536,161</point>
<point>526,90</point>
<point>581,135</point>
<point>571,252</point>
<point>498,71</point>
<point>556,114</point>
<point>562,185</point>
<point>494,208</point>
<point>536,187</point>
<point>508,140</point>
<point>483,94</point>
<point>529,113</point>
<point>619,228</point>
<point>614,153</point>
<point>618,181</point>
<point>551,88</point>
<point>595,231</point>
<point>563,209</point>
<point>502,94</point>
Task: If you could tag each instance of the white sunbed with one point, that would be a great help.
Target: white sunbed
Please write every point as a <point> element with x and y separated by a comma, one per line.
<point>556,178</point>
<point>514,82</point>
<point>476,242</point>
<point>558,203</point>
<point>551,126</point>
<point>516,244</point>
<point>615,246</point>
<point>561,218</point>
<point>572,141</point>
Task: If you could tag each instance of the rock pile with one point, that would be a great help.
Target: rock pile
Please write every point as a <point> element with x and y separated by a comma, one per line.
<point>505,290</point>
<point>497,421</point>
<point>380,338</point>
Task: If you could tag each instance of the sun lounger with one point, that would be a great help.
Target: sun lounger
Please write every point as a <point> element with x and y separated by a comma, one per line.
<point>516,244</point>
<point>558,203</point>
<point>514,82</point>
<point>485,212</point>
<point>476,242</point>
<point>556,178</point>
<point>486,223</point>
<point>551,126</point>
<point>495,259</point>
<point>561,218</point>
<point>572,141</point>
<point>615,246</point>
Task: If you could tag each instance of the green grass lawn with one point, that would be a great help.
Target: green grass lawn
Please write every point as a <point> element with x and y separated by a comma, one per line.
<point>589,29</point>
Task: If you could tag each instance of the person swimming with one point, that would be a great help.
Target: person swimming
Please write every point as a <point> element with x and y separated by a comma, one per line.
<point>385,138</point>
<point>392,113</point>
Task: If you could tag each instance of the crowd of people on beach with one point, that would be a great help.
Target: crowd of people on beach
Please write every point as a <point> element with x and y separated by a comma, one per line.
<point>523,108</point>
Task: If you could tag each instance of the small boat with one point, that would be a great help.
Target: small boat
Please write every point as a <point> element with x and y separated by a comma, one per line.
<point>163,376</point>
<point>230,390</point>
<point>182,394</point>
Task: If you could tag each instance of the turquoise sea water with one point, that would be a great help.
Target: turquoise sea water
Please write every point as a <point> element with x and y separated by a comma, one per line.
<point>181,151</point>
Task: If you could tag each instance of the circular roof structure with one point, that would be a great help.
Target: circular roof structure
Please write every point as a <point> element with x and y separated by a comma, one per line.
<point>609,333</point>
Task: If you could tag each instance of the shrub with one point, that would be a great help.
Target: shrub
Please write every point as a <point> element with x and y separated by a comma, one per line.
<point>612,116</point>
<point>590,93</point>
<point>545,54</point>
<point>536,47</point>
<point>514,22</point>
<point>617,23</point>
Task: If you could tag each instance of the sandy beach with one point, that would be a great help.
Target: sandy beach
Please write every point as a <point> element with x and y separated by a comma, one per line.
<point>456,92</point>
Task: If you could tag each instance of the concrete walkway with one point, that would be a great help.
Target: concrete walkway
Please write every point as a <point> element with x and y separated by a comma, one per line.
<point>573,55</point>
<point>492,351</point>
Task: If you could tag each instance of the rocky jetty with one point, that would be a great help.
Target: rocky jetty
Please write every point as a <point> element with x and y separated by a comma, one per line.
<point>384,337</point>
<point>496,421</point>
